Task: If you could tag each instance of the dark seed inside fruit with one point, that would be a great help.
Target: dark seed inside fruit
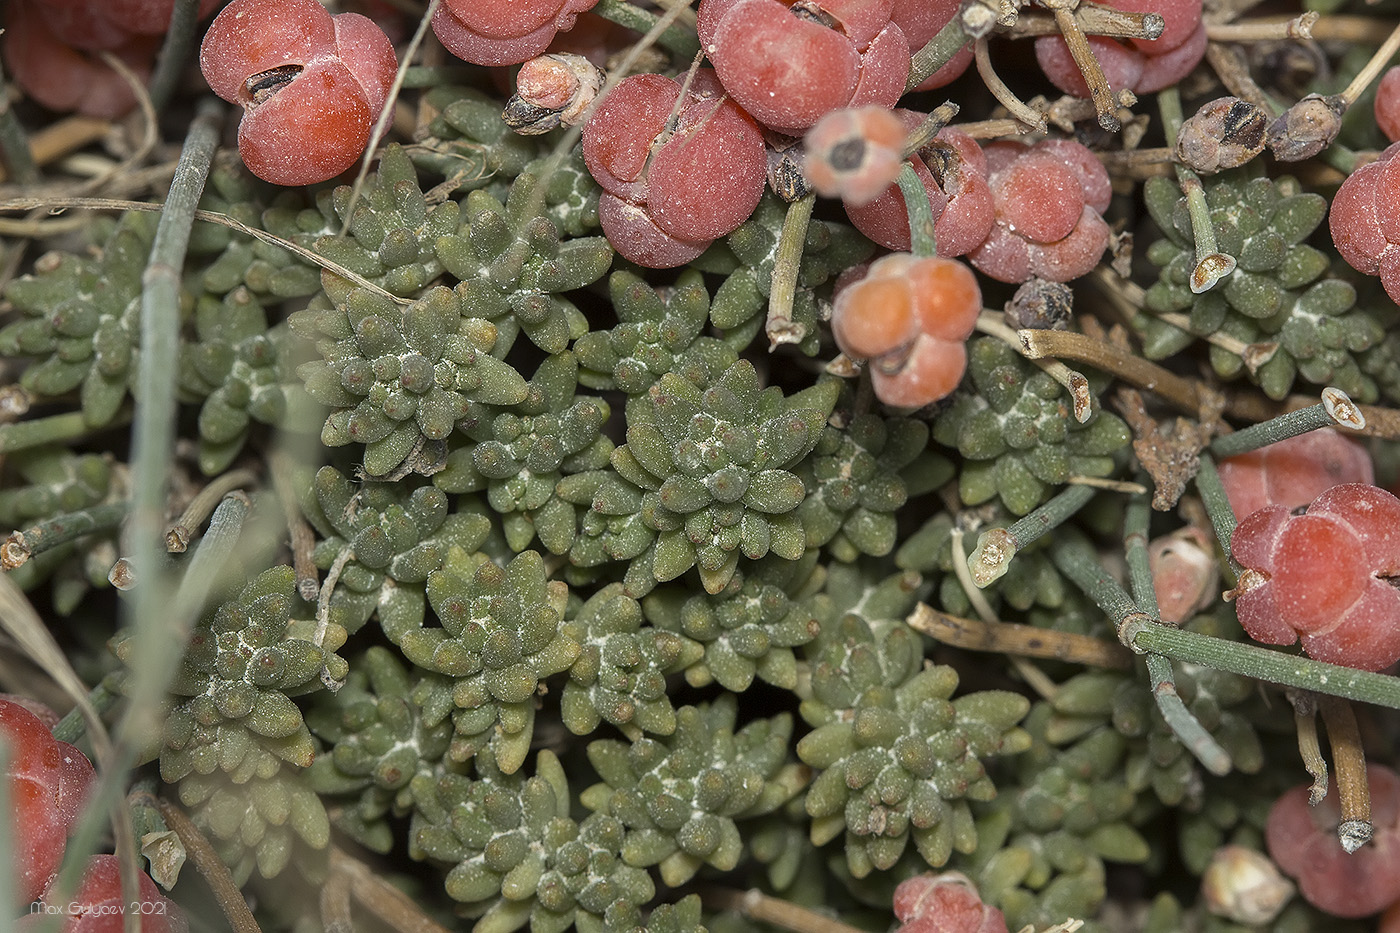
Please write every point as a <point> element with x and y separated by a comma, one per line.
<point>263,85</point>
<point>805,9</point>
<point>848,155</point>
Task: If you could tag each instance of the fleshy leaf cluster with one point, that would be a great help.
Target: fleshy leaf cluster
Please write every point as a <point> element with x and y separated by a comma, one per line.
<point>1279,294</point>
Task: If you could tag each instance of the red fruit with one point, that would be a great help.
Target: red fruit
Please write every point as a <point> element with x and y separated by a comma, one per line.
<point>676,184</point>
<point>503,32</point>
<point>854,153</point>
<point>789,64</point>
<point>920,21</point>
<point>946,903</point>
<point>1048,198</point>
<point>1324,576</point>
<point>1139,65</point>
<point>1388,104</point>
<point>311,85</point>
<point>148,17</point>
<point>1302,840</point>
<point>1293,472</point>
<point>1364,228</point>
<point>48,781</point>
<point>99,906</point>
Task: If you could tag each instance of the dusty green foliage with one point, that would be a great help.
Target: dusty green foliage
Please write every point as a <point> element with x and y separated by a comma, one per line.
<point>518,456</point>
<point>855,483</point>
<point>897,758</point>
<point>1041,848</point>
<point>1016,434</point>
<point>1279,293</point>
<point>659,331</point>
<point>80,320</point>
<point>399,378</point>
<point>392,229</point>
<point>713,470</point>
<point>620,673</point>
<point>741,302</point>
<point>54,480</point>
<point>392,537</point>
<point>681,797</point>
<point>244,372</point>
<point>570,193</point>
<point>749,628</point>
<point>518,857</point>
<point>467,142</point>
<point>514,267</point>
<point>379,742</point>
<point>500,636</point>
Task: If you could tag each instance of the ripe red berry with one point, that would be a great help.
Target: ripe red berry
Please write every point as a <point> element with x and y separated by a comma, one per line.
<point>946,903</point>
<point>909,317</point>
<point>1303,841</point>
<point>672,185</point>
<point>1322,576</point>
<point>48,782</point>
<point>1388,104</point>
<point>789,63</point>
<point>311,85</point>
<point>1139,65</point>
<point>99,906</point>
<point>503,32</point>
<point>920,21</point>
<point>1049,198</point>
<point>1293,472</point>
<point>1365,221</point>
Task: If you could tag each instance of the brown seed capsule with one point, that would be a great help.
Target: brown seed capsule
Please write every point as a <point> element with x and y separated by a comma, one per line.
<point>1040,305</point>
<point>1225,133</point>
<point>551,90</point>
<point>1306,128</point>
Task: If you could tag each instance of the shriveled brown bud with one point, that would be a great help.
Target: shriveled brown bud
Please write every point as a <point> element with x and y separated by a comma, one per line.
<point>551,90</point>
<point>1225,133</point>
<point>1244,886</point>
<point>1306,128</point>
<point>785,175</point>
<point>1040,305</point>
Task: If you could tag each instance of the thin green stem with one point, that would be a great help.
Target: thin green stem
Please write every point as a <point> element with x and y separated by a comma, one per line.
<point>1211,264</point>
<point>50,533</point>
<point>1276,667</point>
<point>1336,408</point>
<point>680,41</point>
<point>103,697</point>
<point>1075,558</point>
<point>780,326</point>
<point>55,429</point>
<point>920,212</point>
<point>1217,503</point>
<point>997,546</point>
<point>177,537</point>
<point>174,52</point>
<point>1179,719</point>
<point>937,52</point>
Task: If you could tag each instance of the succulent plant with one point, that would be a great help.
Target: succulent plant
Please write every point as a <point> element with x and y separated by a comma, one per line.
<point>658,331</point>
<point>379,742</point>
<point>57,480</point>
<point>896,758</point>
<point>681,797</point>
<point>245,373</point>
<point>714,469</point>
<point>518,457</point>
<point>466,141</point>
<point>81,320</point>
<point>855,484</point>
<point>520,858</point>
<point>500,636</point>
<point>385,540</point>
<point>514,267</point>
<point>1016,434</point>
<point>399,378</point>
<point>620,673</point>
<point>742,299</point>
<point>1279,293</point>
<point>749,628</point>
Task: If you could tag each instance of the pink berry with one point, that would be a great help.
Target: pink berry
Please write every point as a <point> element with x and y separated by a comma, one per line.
<point>311,85</point>
<point>1303,842</point>
<point>1322,577</point>
<point>946,903</point>
<point>854,153</point>
<point>99,906</point>
<point>1293,472</point>
<point>503,32</point>
<point>1388,104</point>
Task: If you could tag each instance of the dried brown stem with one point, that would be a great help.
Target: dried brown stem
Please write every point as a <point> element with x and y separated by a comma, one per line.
<point>1089,66</point>
<point>1039,344</point>
<point>177,538</point>
<point>1373,68</point>
<point>1305,720</point>
<point>1094,20</point>
<point>993,324</point>
<point>303,539</point>
<point>215,872</point>
<point>1349,758</point>
<point>1264,30</point>
<point>382,899</point>
<point>1021,640</point>
<point>756,905</point>
<point>1032,120</point>
<point>1228,62</point>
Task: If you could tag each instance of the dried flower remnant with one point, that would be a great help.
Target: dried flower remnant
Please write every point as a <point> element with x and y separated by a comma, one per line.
<point>1185,573</point>
<point>944,903</point>
<point>552,90</point>
<point>854,154</point>
<point>1224,134</point>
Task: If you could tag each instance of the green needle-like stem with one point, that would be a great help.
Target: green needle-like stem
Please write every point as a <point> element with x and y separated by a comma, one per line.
<point>1217,503</point>
<point>937,52</point>
<point>55,429</point>
<point>1186,727</point>
<point>174,52</point>
<point>680,41</point>
<point>50,533</point>
<point>1211,264</point>
<point>1336,408</point>
<point>995,547</point>
<point>791,241</point>
<point>920,212</point>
